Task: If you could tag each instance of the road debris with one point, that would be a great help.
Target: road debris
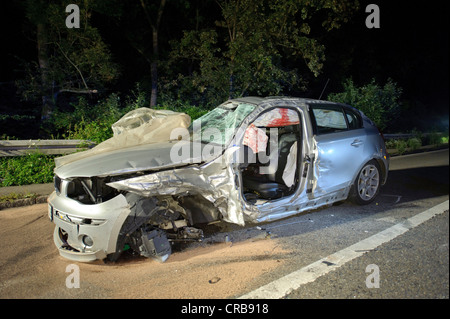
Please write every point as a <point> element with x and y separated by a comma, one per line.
<point>214,280</point>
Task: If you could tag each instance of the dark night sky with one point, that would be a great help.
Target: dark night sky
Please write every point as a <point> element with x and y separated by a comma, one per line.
<point>411,47</point>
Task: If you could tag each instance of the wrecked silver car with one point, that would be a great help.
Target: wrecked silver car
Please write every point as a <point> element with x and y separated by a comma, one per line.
<point>249,160</point>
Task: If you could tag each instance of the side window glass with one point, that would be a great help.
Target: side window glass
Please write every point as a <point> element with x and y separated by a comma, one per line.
<point>354,121</point>
<point>329,120</point>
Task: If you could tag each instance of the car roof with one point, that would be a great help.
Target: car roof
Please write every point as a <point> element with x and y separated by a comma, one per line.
<point>271,101</point>
<point>260,100</point>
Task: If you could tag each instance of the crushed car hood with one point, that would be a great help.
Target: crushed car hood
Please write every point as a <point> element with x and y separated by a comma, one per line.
<point>143,139</point>
<point>150,157</point>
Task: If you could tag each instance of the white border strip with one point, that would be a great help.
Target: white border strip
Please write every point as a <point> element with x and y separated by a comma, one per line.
<point>283,286</point>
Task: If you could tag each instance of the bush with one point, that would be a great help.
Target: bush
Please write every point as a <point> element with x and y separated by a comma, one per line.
<point>390,144</point>
<point>380,104</point>
<point>193,111</point>
<point>401,146</point>
<point>23,170</point>
<point>434,138</point>
<point>166,102</point>
<point>93,121</point>
<point>414,143</point>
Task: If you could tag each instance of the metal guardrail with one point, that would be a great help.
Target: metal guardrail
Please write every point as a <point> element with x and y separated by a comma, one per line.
<point>63,147</point>
<point>47,147</point>
<point>397,136</point>
<point>400,136</point>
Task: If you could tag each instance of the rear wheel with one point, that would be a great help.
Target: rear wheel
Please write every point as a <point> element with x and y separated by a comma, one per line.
<point>367,185</point>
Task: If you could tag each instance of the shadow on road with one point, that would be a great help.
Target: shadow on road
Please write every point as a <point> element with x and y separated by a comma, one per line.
<point>418,183</point>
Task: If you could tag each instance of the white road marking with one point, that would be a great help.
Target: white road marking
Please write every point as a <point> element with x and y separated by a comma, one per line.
<point>283,286</point>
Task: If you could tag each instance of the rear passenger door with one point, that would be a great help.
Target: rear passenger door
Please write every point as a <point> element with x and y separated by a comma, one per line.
<point>340,141</point>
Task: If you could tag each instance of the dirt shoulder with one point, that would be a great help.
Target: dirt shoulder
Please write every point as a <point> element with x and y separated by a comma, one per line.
<point>30,266</point>
<point>17,196</point>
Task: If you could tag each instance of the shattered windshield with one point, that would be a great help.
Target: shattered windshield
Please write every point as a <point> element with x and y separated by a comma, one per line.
<point>219,125</point>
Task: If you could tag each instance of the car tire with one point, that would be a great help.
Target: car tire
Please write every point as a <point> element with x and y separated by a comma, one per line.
<point>367,184</point>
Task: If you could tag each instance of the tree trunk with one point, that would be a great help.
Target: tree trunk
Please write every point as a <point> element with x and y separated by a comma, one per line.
<point>154,64</point>
<point>42,47</point>
<point>154,74</point>
<point>154,69</point>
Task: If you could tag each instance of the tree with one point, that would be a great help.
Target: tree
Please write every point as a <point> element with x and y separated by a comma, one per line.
<point>256,47</point>
<point>68,60</point>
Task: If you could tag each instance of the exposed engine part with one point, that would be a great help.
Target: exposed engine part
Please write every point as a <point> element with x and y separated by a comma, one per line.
<point>186,234</point>
<point>154,243</point>
<point>191,233</point>
<point>198,209</point>
<point>141,211</point>
<point>175,225</point>
<point>153,223</point>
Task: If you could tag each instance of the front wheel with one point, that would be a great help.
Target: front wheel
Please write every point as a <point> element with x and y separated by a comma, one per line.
<point>367,185</point>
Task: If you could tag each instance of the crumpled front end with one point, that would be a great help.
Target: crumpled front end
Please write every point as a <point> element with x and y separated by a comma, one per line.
<point>86,232</point>
<point>95,221</point>
<point>145,211</point>
<point>143,196</point>
<point>213,182</point>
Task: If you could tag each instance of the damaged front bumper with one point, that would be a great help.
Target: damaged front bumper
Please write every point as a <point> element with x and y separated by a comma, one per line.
<point>88,232</point>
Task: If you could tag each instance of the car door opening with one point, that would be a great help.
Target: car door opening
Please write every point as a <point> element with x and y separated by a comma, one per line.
<point>272,147</point>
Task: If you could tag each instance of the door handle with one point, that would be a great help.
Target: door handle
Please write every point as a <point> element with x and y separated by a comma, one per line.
<point>357,143</point>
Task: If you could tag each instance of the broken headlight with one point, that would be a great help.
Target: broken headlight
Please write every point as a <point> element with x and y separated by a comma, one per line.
<point>90,190</point>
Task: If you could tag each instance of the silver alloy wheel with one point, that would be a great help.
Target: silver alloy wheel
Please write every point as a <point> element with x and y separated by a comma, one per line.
<point>368,182</point>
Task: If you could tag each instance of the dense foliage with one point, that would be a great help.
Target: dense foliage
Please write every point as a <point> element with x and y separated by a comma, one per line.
<point>380,103</point>
<point>31,169</point>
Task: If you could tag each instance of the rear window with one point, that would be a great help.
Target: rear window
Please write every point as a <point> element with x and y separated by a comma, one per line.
<point>329,120</point>
<point>334,118</point>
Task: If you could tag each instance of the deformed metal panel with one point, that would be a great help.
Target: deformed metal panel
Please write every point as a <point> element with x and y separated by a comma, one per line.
<point>142,126</point>
<point>214,181</point>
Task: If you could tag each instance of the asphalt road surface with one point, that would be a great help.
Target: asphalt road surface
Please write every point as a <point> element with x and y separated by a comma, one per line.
<point>412,264</point>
